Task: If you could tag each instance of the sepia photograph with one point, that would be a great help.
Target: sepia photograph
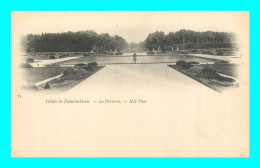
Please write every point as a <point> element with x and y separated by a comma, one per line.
<point>130,84</point>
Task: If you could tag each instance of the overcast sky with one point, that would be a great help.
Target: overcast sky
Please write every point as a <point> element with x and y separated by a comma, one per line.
<point>133,26</point>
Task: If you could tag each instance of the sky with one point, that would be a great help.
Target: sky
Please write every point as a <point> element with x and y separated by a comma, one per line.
<point>132,26</point>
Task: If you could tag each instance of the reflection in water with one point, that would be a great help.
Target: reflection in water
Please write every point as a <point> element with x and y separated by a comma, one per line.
<point>131,54</point>
<point>134,57</point>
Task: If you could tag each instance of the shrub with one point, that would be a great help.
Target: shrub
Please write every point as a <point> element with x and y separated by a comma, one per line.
<point>119,53</point>
<point>150,52</point>
<point>86,54</point>
<point>207,52</point>
<point>225,79</point>
<point>92,65</point>
<point>74,73</point>
<point>62,56</point>
<point>193,62</point>
<point>196,69</point>
<point>81,71</point>
<point>220,53</point>
<point>209,73</point>
<point>52,65</point>
<point>69,73</point>
<point>80,65</point>
<point>186,66</point>
<point>26,65</point>
<point>180,63</point>
<point>47,86</point>
<point>183,64</point>
<point>224,83</point>
<point>29,60</point>
<point>52,57</point>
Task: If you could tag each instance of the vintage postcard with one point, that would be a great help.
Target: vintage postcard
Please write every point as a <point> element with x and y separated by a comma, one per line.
<point>130,84</point>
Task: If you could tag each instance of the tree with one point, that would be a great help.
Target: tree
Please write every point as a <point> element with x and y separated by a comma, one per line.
<point>188,38</point>
<point>81,41</point>
<point>155,40</point>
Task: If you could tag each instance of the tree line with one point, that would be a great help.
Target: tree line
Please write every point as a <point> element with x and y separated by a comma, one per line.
<point>188,39</point>
<point>86,41</point>
<point>81,41</point>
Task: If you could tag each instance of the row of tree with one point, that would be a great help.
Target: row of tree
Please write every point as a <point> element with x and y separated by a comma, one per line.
<point>82,41</point>
<point>183,37</point>
<point>85,41</point>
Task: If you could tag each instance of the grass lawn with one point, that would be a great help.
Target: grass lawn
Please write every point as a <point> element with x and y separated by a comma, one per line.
<point>61,86</point>
<point>227,69</point>
<point>34,75</point>
<point>214,84</point>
